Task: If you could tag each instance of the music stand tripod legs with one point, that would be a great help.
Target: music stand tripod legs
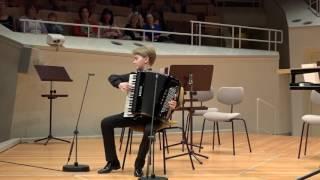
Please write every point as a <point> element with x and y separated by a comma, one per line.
<point>51,96</point>
<point>315,172</point>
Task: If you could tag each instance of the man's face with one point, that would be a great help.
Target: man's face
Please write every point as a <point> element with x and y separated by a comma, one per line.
<point>140,62</point>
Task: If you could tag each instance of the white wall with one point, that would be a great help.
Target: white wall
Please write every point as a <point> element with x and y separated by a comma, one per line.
<point>255,70</point>
<point>304,48</point>
<point>257,74</point>
<point>298,9</point>
<point>9,62</point>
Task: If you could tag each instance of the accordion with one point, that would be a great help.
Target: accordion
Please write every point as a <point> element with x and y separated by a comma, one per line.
<point>143,96</point>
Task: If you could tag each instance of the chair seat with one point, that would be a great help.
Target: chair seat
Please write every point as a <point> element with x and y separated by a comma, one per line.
<point>312,119</point>
<point>166,124</point>
<point>158,126</point>
<point>202,112</point>
<point>220,116</point>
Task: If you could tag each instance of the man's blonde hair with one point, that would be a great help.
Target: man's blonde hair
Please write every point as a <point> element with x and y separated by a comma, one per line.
<point>146,51</point>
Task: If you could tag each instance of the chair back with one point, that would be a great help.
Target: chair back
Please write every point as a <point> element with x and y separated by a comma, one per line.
<point>203,96</point>
<point>180,98</point>
<point>230,95</point>
<point>315,97</point>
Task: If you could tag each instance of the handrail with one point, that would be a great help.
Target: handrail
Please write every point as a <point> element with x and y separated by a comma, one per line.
<point>192,34</point>
<point>315,3</point>
<point>231,25</point>
<point>262,101</point>
<point>103,27</point>
<point>275,36</point>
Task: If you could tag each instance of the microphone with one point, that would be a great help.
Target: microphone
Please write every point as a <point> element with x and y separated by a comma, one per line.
<point>76,167</point>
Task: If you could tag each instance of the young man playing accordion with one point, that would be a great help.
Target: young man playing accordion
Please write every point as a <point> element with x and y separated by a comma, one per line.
<point>143,58</point>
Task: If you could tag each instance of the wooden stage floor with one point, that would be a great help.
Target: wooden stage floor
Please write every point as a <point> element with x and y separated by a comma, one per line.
<point>273,157</point>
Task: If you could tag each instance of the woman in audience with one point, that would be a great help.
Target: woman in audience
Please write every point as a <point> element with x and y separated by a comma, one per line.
<point>135,22</point>
<point>152,24</point>
<point>32,27</point>
<point>54,28</point>
<point>107,19</point>
<point>84,18</point>
<point>5,19</point>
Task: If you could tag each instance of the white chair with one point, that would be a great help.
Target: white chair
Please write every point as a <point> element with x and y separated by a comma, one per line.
<point>309,119</point>
<point>202,96</point>
<point>229,96</point>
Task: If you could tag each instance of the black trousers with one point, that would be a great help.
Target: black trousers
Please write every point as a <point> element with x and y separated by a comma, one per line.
<point>107,127</point>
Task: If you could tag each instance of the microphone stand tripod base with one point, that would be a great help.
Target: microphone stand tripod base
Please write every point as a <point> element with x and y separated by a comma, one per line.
<point>153,177</point>
<point>76,168</point>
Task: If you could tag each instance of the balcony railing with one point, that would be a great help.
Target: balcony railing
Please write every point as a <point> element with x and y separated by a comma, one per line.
<point>314,6</point>
<point>274,36</point>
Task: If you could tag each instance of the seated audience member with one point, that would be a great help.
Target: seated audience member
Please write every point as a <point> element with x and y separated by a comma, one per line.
<point>31,12</point>
<point>152,24</point>
<point>84,18</point>
<point>54,28</point>
<point>106,19</point>
<point>5,19</point>
<point>135,22</point>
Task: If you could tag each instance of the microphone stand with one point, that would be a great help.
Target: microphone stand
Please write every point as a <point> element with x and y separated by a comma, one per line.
<point>76,167</point>
<point>152,139</point>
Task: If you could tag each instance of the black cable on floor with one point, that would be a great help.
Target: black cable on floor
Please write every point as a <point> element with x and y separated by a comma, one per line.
<point>27,165</point>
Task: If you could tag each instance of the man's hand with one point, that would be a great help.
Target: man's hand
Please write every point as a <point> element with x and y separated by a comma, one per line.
<point>172,104</point>
<point>124,86</point>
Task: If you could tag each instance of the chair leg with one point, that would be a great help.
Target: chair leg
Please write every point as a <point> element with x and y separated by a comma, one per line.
<point>234,153</point>
<point>245,127</point>
<point>213,134</point>
<point>160,140</point>
<point>201,138</point>
<point>306,143</point>
<point>164,153</point>
<point>121,137</point>
<point>302,131</point>
<point>126,150</point>
<point>166,140</point>
<point>218,133</point>
<point>131,134</point>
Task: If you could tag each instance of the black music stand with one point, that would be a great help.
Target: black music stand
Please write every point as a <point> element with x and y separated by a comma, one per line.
<point>52,73</point>
<point>193,78</point>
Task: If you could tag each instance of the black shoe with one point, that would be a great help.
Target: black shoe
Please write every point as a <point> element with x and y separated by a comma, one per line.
<point>109,167</point>
<point>138,172</point>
